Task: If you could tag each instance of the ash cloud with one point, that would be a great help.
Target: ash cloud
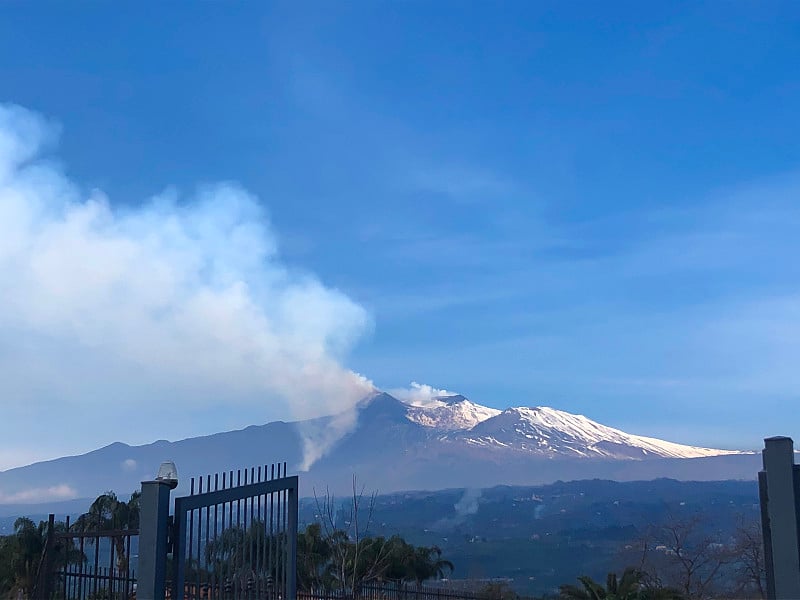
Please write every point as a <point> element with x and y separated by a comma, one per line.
<point>156,317</point>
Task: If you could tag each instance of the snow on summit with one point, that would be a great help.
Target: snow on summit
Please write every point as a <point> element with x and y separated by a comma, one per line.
<point>540,430</point>
<point>450,413</point>
<point>550,431</point>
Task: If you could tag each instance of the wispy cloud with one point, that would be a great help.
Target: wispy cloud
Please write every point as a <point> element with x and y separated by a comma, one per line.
<point>39,495</point>
<point>654,313</point>
<point>463,183</point>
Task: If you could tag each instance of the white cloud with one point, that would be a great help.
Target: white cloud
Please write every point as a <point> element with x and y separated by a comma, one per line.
<point>129,464</point>
<point>37,495</point>
<point>146,316</point>
<point>419,394</point>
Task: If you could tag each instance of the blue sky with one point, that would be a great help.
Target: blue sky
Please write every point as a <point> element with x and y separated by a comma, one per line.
<point>593,206</point>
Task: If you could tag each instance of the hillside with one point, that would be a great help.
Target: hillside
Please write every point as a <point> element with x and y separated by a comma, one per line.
<point>450,443</point>
<point>541,536</point>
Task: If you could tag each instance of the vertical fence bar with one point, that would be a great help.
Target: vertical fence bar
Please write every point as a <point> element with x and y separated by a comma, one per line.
<point>82,546</point>
<point>214,582</point>
<point>179,552</point>
<point>96,563</point>
<point>252,553</point>
<point>206,557</point>
<point>260,549</point>
<point>199,537</point>
<point>127,573</point>
<point>284,518</point>
<point>232,560</point>
<point>222,562</point>
<point>272,571</point>
<point>111,566</point>
<point>291,584</point>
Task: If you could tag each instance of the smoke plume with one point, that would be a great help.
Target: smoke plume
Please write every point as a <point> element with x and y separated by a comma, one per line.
<point>419,394</point>
<point>157,318</point>
<point>466,506</point>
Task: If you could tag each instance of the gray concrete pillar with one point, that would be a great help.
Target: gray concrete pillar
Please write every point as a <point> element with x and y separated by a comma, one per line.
<point>153,533</point>
<point>780,506</point>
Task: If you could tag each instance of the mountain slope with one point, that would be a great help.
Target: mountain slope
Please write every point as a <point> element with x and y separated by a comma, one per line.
<point>545,430</point>
<point>451,442</point>
<point>449,413</point>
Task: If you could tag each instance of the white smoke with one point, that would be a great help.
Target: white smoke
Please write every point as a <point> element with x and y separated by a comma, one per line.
<point>466,506</point>
<point>420,394</point>
<point>149,315</point>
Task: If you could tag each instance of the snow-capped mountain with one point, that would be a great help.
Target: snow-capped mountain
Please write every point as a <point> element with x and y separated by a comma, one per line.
<point>450,413</point>
<point>392,446</point>
<point>544,430</point>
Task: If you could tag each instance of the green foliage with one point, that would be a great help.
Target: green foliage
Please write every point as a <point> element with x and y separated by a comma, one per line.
<point>628,587</point>
<point>498,591</point>
<point>21,553</point>
<point>336,562</point>
<point>109,513</point>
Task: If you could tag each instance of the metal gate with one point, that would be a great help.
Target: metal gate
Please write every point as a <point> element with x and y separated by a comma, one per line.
<point>235,536</point>
<point>82,565</point>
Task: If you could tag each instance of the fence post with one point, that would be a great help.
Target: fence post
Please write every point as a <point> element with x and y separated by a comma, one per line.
<point>153,532</point>
<point>43,586</point>
<point>291,583</point>
<point>779,490</point>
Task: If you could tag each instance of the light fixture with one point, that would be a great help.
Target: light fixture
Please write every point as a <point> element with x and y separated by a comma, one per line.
<point>168,473</point>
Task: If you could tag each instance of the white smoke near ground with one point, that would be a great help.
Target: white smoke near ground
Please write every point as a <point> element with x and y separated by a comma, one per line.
<point>420,394</point>
<point>466,506</point>
<point>173,306</point>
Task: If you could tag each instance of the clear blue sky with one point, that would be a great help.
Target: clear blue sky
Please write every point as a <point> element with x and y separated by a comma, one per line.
<point>593,206</point>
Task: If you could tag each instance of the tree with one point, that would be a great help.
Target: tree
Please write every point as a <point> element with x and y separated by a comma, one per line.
<point>314,566</point>
<point>498,591</point>
<point>750,568</point>
<point>109,513</point>
<point>21,554</point>
<point>628,587</point>
<point>683,554</point>
<point>355,559</point>
<point>27,544</point>
<point>338,552</point>
<point>625,588</point>
<point>427,563</point>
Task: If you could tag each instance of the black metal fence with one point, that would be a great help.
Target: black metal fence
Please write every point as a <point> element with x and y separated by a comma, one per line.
<point>88,565</point>
<point>379,591</point>
<point>236,536</point>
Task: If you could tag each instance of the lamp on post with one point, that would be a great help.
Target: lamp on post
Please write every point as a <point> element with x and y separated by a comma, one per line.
<point>168,473</point>
<point>154,532</point>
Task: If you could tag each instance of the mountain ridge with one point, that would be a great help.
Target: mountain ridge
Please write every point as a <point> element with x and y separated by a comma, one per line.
<point>459,444</point>
<point>458,414</point>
